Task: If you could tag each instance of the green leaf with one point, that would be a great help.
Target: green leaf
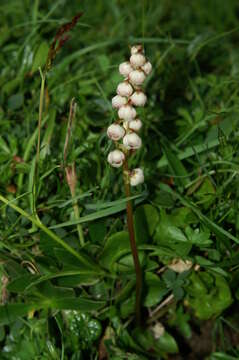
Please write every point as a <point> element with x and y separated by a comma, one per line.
<point>126,263</point>
<point>95,215</point>
<point>47,231</point>
<point>109,208</point>
<point>190,151</point>
<point>222,356</point>
<point>20,283</point>
<point>206,193</point>
<point>208,295</point>
<point>3,146</point>
<point>81,304</point>
<point>83,327</point>
<point>15,101</point>
<point>164,344</point>
<point>167,343</point>
<point>115,247</point>
<point>40,56</point>
<point>128,306</point>
<point>176,167</point>
<point>78,280</point>
<point>71,262</point>
<point>45,144</point>
<point>10,312</point>
<point>76,277</point>
<point>97,231</point>
<point>223,234</point>
<point>170,236</point>
<point>155,289</point>
<point>146,218</point>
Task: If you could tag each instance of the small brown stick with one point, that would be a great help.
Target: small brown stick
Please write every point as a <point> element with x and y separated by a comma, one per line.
<point>70,170</point>
<point>156,312</point>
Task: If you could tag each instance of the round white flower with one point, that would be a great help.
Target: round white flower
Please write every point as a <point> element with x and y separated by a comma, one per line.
<point>147,68</point>
<point>118,101</point>
<point>116,158</point>
<point>125,68</point>
<point>124,89</point>
<point>136,49</point>
<point>136,177</point>
<point>115,132</point>
<point>135,124</point>
<point>137,60</point>
<point>137,77</point>
<point>132,141</point>
<point>127,112</point>
<point>138,98</point>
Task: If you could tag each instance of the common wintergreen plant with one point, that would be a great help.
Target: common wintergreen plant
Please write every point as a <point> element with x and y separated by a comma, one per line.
<point>130,94</point>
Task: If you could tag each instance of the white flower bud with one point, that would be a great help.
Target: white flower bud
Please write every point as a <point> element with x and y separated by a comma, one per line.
<point>136,177</point>
<point>116,158</point>
<point>137,60</point>
<point>118,101</point>
<point>147,68</point>
<point>125,68</point>
<point>132,141</point>
<point>124,89</point>
<point>127,112</point>
<point>136,49</point>
<point>138,98</point>
<point>137,77</point>
<point>115,132</point>
<point>135,124</point>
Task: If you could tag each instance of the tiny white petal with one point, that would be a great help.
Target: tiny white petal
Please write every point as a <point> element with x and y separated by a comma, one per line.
<point>115,132</point>
<point>138,98</point>
<point>125,68</point>
<point>136,177</point>
<point>136,49</point>
<point>116,158</point>
<point>147,68</point>
<point>127,112</point>
<point>135,124</point>
<point>118,101</point>
<point>137,77</point>
<point>137,60</point>
<point>132,141</point>
<point>124,89</point>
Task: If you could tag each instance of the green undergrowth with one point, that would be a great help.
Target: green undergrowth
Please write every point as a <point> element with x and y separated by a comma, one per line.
<point>60,300</point>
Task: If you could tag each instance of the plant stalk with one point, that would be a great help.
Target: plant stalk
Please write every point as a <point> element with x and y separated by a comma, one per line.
<point>71,181</point>
<point>36,169</point>
<point>130,223</point>
<point>42,92</point>
<point>70,170</point>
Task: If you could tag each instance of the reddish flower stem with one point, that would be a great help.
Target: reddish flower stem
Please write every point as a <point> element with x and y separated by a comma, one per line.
<point>130,223</point>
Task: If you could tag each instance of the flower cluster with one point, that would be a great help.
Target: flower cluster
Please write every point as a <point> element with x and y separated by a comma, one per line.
<point>129,95</point>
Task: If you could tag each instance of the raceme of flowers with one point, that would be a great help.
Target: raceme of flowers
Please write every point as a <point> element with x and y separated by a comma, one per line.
<point>129,95</point>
